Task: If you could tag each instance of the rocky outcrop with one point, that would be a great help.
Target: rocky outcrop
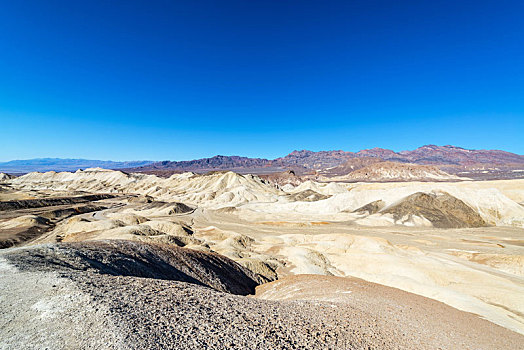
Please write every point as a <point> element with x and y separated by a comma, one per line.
<point>127,258</point>
<point>47,202</point>
<point>283,178</point>
<point>371,208</point>
<point>307,196</point>
<point>442,210</point>
<point>5,177</point>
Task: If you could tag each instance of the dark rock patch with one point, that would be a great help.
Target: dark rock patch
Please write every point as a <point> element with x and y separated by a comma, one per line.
<point>128,258</point>
<point>371,208</point>
<point>442,210</point>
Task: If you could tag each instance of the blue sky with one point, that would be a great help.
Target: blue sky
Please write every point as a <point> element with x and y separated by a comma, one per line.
<point>178,80</point>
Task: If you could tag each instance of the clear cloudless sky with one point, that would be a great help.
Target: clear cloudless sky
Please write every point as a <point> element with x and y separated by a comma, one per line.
<point>179,80</point>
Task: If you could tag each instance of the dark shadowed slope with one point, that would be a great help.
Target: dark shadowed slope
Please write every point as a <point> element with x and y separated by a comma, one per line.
<point>127,258</point>
<point>442,210</point>
<point>89,296</point>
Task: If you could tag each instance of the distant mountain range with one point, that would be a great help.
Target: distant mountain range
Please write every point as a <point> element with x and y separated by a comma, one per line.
<point>450,158</point>
<point>308,160</point>
<point>59,164</point>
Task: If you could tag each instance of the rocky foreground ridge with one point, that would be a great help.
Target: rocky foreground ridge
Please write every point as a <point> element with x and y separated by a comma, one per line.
<point>128,295</point>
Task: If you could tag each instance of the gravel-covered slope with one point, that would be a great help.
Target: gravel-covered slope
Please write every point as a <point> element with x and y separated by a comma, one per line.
<point>128,258</point>
<point>69,302</point>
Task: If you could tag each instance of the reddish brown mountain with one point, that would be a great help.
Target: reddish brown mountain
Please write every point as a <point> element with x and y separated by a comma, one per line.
<point>378,153</point>
<point>209,164</point>
<point>432,154</point>
<point>449,155</point>
<point>314,160</point>
<point>450,158</point>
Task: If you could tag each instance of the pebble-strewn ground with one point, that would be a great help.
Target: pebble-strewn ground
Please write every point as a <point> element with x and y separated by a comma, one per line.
<point>67,308</point>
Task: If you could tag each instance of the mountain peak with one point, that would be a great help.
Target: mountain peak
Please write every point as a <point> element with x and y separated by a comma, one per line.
<point>303,152</point>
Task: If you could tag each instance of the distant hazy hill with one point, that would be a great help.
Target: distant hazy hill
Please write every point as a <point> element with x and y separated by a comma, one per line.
<point>58,164</point>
